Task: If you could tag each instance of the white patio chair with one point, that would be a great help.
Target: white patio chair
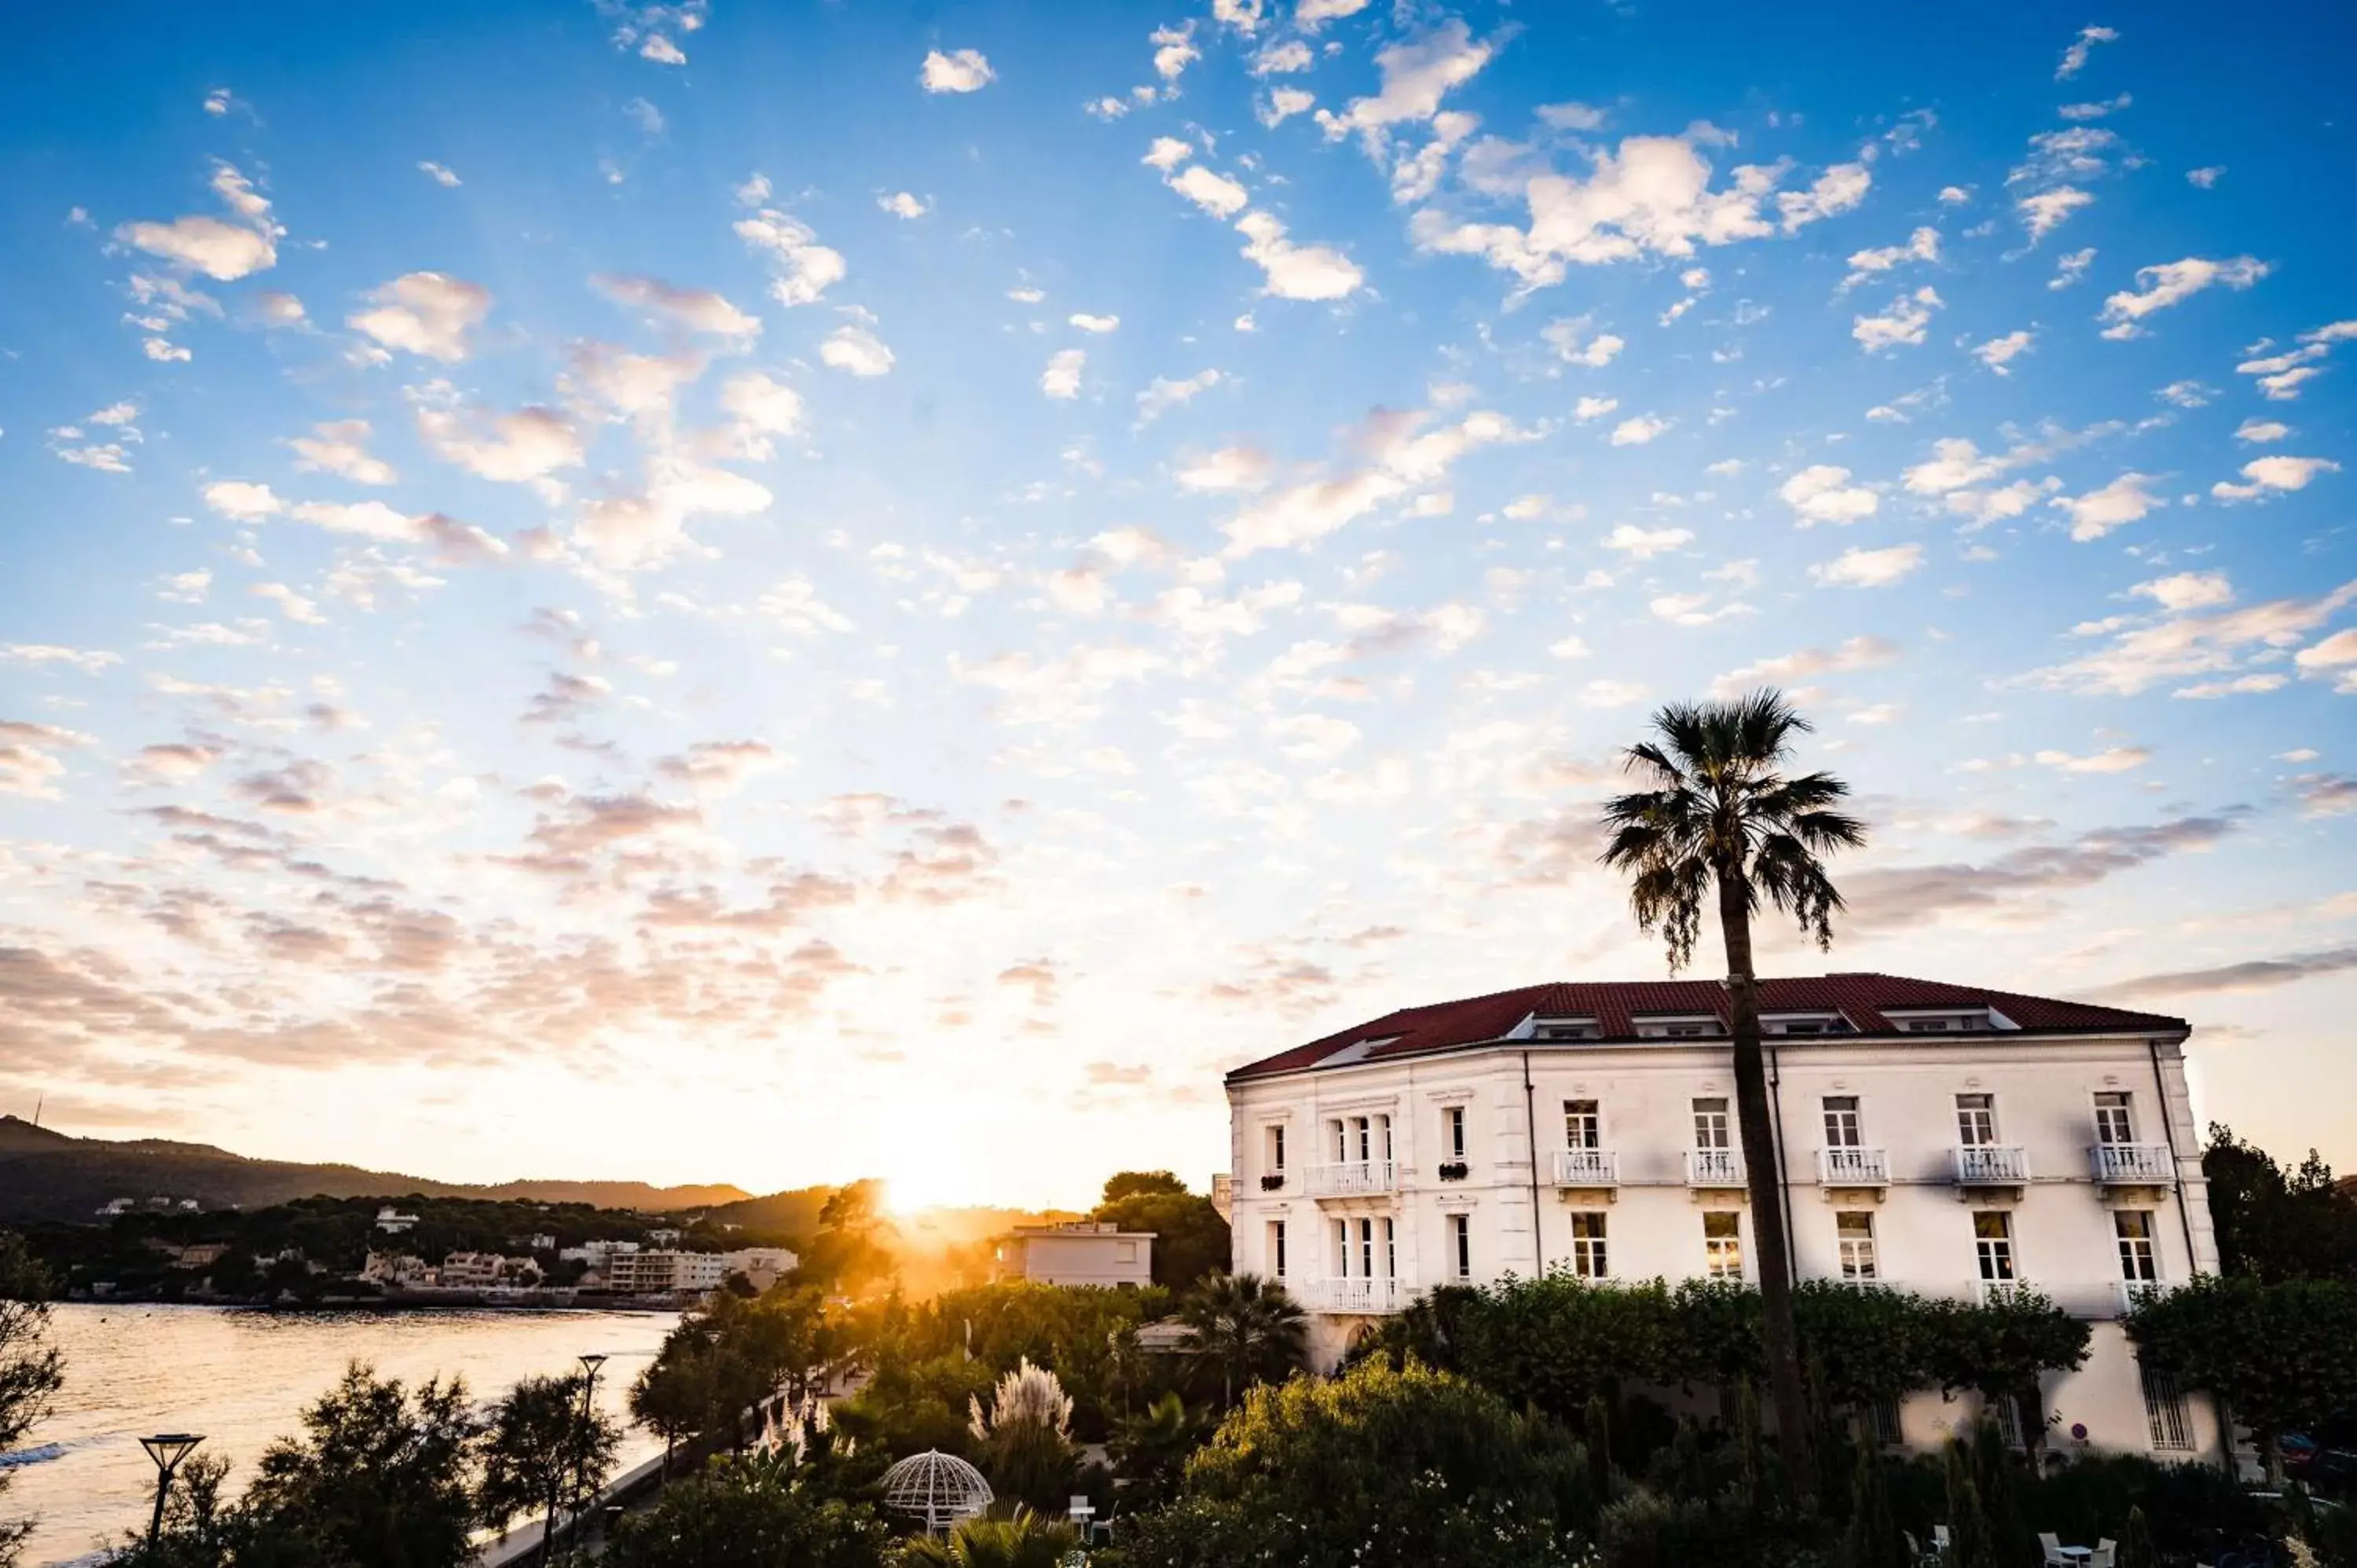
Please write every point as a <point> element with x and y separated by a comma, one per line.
<point>2051,1544</point>
<point>2106,1550</point>
<point>1941,1541</point>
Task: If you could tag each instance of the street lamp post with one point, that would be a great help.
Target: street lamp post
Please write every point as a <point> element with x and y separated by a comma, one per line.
<point>589,1365</point>
<point>167,1449</point>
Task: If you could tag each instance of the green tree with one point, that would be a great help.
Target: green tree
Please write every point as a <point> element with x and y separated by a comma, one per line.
<point>1190,1240</point>
<point>852,1253</point>
<point>1721,816</point>
<point>541,1448</point>
<point>2283,1357</point>
<point>673,1393</point>
<point>1872,1538</point>
<point>1247,1330</point>
<point>1134,1184</point>
<point>1026,1540</point>
<point>1376,1468</point>
<point>748,1511</point>
<point>2277,1224</point>
<point>2002,1347</point>
<point>31,1368</point>
<point>378,1478</point>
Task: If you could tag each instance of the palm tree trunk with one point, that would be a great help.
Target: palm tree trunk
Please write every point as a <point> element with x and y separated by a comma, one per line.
<point>1764,1176</point>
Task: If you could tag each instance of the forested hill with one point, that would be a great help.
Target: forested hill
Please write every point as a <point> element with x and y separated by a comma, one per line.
<point>47,1175</point>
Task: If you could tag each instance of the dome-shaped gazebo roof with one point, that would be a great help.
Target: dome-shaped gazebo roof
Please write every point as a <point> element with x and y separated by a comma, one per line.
<point>936,1487</point>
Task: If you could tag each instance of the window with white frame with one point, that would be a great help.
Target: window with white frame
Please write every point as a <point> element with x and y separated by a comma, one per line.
<point>1277,1149</point>
<point>1342,1249</point>
<point>2132,1227</point>
<point>1722,1244</point>
<point>1975,1119</point>
<point>1710,1124</point>
<point>1276,1259</point>
<point>1460,1244</point>
<point>1993,1241</point>
<point>1452,1131</point>
<point>1588,1256</point>
<point>1366,1249</point>
<point>1391,1250</point>
<point>1384,1139</point>
<point>1854,1236</point>
<point>1583,1128</point>
<point>2114,1119</point>
<point>1842,1127</point>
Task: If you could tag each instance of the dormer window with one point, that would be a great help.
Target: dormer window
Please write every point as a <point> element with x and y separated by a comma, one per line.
<point>1947,1020</point>
<point>1803,1023</point>
<point>1679,1027</point>
<point>1565,1028</point>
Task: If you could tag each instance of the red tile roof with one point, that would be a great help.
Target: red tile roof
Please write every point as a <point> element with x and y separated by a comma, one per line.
<point>1615,1005</point>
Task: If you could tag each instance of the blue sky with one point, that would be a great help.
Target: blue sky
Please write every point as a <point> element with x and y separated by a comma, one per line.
<point>766,593</point>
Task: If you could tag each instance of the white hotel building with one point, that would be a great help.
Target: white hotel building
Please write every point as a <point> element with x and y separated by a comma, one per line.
<point>1942,1139</point>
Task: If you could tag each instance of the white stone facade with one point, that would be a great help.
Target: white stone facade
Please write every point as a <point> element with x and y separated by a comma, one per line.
<point>1948,1164</point>
<point>1083,1253</point>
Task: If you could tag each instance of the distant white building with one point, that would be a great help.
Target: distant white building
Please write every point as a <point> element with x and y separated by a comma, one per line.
<point>594,1253</point>
<point>1942,1139</point>
<point>664,1273</point>
<point>393,1223</point>
<point>1086,1252</point>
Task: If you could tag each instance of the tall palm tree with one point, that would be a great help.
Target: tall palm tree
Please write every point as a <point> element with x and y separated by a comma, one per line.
<point>1246,1326</point>
<point>1721,815</point>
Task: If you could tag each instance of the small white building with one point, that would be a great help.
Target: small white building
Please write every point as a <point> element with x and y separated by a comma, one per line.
<point>392,1221</point>
<point>401,1269</point>
<point>1085,1252</point>
<point>485,1271</point>
<point>1948,1140</point>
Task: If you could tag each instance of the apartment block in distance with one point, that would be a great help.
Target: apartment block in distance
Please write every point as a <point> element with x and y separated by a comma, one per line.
<point>1945,1139</point>
<point>1084,1252</point>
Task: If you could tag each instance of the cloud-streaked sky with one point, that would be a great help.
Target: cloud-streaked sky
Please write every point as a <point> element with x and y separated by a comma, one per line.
<point>766,593</point>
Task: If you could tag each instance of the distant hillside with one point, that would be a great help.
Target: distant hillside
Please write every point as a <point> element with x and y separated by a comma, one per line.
<point>45,1175</point>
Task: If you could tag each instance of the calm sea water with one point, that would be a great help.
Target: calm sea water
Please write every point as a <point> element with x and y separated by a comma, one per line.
<point>242,1378</point>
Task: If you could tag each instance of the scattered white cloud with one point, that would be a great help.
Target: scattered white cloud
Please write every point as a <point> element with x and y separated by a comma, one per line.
<point>857,350</point>
<point>2261,430</point>
<point>2158,287</point>
<point>661,51</point>
<point>1589,408</point>
<point>905,204</point>
<point>961,70</point>
<point>1173,50</point>
<point>1868,568</point>
<point>2075,59</point>
<point>2044,211</point>
<point>1163,394</point>
<point>2112,759</point>
<point>438,173</point>
<point>2097,110</point>
<point>222,249</point>
<point>1997,353</point>
<point>698,310</point>
<point>2071,268</point>
<point>2273,475</point>
<point>1566,336</point>
<point>1923,245</point>
<point>1416,73</point>
<point>2205,178</point>
<point>1823,493</point>
<point>428,313</point>
<point>1087,323</point>
<point>1062,379</point>
<point>802,269</point>
<point>1639,431</point>
<point>340,447</point>
<point>1644,544</point>
<point>2097,513</point>
<point>1903,323</point>
<point>1296,271</point>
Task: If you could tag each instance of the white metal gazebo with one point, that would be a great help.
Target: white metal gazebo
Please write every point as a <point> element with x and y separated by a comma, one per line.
<point>937,1488</point>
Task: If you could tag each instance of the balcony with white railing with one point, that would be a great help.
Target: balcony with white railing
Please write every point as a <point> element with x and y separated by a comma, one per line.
<point>1586,1167</point>
<point>2134,1294</point>
<point>1357,1295</point>
<point>1990,1293</point>
<point>1853,1167</point>
<point>2133,1165</point>
<point>1992,1164</point>
<point>1714,1167</point>
<point>1353,1178</point>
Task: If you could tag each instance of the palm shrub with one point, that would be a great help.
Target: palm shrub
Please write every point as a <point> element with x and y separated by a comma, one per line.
<point>1246,1330</point>
<point>1025,1540</point>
